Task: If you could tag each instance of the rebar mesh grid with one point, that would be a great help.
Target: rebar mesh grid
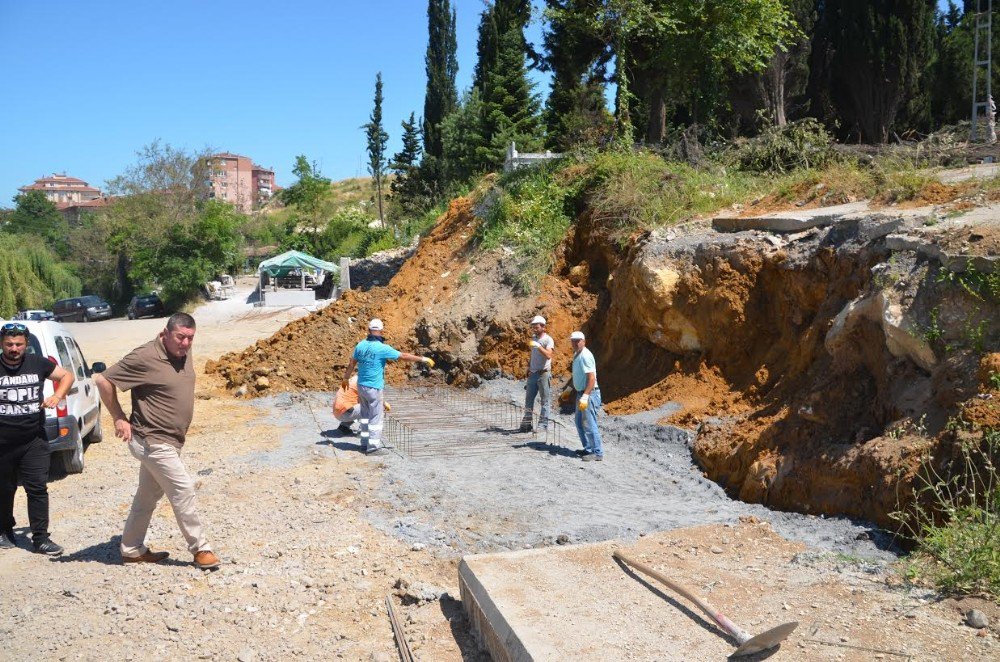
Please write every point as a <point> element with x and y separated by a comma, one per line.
<point>440,421</point>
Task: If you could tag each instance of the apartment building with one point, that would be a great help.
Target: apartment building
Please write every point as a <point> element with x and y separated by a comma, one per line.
<point>237,179</point>
<point>64,191</point>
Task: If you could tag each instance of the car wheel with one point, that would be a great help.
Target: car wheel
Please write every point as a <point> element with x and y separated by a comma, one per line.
<point>131,316</point>
<point>73,458</point>
<point>96,435</point>
<point>86,317</point>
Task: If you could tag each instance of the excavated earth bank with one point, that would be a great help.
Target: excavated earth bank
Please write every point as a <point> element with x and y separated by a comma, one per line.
<point>817,367</point>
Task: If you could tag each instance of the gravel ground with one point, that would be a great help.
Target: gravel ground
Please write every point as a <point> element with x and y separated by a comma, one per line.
<point>538,493</point>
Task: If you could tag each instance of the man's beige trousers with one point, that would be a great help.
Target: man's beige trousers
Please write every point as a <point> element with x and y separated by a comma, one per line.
<point>161,472</point>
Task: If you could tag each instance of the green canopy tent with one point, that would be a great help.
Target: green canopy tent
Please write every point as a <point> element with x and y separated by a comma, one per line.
<point>282,265</point>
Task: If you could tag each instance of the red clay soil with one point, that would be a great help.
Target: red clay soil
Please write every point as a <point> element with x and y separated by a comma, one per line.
<point>312,352</point>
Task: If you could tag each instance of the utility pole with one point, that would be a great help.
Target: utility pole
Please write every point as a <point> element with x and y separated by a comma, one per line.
<point>982,66</point>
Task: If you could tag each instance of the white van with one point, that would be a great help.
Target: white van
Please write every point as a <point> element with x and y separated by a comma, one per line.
<point>77,419</point>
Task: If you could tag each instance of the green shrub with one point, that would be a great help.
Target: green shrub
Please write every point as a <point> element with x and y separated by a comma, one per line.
<point>954,518</point>
<point>641,191</point>
<point>801,144</point>
<point>32,275</point>
<point>530,215</point>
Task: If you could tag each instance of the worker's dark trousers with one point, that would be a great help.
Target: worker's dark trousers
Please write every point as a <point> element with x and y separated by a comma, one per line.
<point>29,462</point>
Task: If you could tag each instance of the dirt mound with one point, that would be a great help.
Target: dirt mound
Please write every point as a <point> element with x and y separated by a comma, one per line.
<point>446,301</point>
<point>312,353</point>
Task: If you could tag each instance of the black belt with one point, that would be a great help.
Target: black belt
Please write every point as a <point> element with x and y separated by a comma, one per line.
<point>538,372</point>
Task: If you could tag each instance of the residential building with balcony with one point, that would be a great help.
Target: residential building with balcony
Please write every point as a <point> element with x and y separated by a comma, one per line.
<point>237,179</point>
<point>63,191</point>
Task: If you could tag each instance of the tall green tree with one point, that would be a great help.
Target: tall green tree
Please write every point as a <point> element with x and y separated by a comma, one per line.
<point>161,201</point>
<point>191,254</point>
<point>626,28</point>
<point>407,187</point>
<point>510,108</point>
<point>575,111</point>
<point>787,72</point>
<point>464,143</point>
<point>679,53</point>
<point>952,84</point>
<point>377,138</point>
<point>880,52</point>
<point>441,64</point>
<point>307,194</point>
<point>37,215</point>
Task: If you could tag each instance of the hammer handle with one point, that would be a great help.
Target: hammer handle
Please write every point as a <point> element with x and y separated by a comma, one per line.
<point>742,636</point>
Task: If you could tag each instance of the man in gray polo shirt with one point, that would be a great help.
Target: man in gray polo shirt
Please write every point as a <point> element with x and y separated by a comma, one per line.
<point>539,376</point>
<point>160,375</point>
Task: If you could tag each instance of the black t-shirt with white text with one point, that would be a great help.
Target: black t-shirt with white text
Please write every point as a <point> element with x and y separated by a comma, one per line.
<point>21,394</point>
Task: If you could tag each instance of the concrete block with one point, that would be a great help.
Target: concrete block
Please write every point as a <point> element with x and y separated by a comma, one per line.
<point>790,221</point>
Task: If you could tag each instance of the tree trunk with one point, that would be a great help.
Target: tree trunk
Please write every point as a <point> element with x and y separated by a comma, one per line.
<point>656,128</point>
<point>378,194</point>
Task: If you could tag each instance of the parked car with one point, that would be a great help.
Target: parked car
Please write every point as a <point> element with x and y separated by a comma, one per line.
<point>76,421</point>
<point>35,315</point>
<point>143,305</point>
<point>82,309</point>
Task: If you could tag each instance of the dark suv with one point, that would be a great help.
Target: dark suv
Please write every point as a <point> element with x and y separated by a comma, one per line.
<point>144,304</point>
<point>82,309</point>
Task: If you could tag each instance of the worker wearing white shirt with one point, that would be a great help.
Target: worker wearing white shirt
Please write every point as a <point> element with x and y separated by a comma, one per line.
<point>539,376</point>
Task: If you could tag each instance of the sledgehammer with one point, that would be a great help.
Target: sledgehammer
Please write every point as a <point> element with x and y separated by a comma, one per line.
<point>748,644</point>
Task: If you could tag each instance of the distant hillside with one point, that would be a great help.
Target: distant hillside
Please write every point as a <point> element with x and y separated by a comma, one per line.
<point>356,191</point>
<point>353,193</point>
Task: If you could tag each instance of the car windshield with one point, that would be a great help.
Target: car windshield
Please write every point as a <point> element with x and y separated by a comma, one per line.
<point>149,298</point>
<point>92,301</point>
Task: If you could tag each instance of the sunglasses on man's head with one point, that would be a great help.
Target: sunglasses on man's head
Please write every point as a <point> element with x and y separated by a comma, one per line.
<point>13,329</point>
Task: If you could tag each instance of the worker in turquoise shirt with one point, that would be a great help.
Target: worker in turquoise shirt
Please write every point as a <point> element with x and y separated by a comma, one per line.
<point>585,383</point>
<point>370,356</point>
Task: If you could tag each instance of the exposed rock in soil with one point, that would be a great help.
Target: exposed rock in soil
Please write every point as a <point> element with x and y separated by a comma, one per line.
<point>378,269</point>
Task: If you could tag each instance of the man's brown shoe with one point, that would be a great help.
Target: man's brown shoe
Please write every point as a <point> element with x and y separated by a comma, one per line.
<point>206,560</point>
<point>149,557</point>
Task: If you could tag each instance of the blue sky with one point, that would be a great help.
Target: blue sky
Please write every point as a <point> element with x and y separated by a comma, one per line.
<point>87,84</point>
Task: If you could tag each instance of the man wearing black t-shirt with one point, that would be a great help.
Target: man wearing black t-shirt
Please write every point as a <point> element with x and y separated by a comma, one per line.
<point>24,449</point>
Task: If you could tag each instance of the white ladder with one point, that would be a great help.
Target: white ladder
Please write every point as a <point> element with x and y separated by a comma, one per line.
<point>982,68</point>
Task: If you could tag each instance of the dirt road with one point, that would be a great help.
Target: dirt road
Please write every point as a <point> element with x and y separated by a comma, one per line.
<point>314,536</point>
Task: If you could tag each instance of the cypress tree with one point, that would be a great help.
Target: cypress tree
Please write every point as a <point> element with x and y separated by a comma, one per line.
<point>509,105</point>
<point>406,186</point>
<point>880,52</point>
<point>464,143</point>
<point>377,138</point>
<point>441,63</point>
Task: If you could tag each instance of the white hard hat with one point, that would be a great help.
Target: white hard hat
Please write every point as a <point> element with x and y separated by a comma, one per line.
<point>538,319</point>
<point>577,335</point>
<point>375,325</point>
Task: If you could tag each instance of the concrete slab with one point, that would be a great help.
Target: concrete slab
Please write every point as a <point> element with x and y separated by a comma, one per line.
<point>790,221</point>
<point>577,603</point>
